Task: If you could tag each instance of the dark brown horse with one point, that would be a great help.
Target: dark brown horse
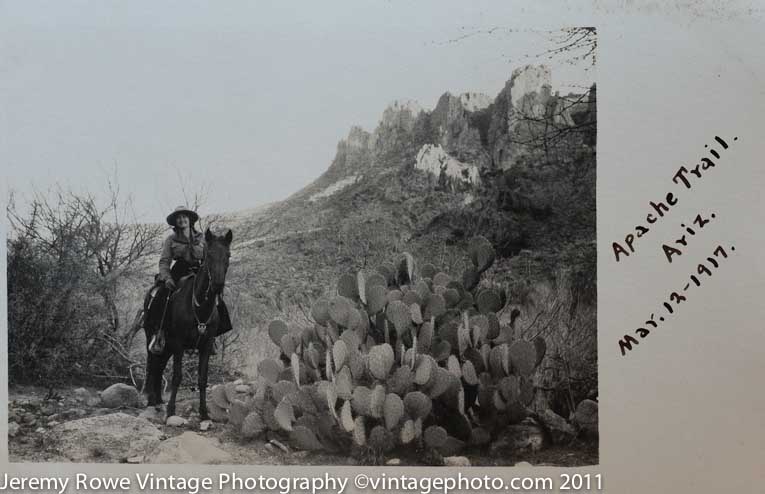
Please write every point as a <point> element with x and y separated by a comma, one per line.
<point>191,323</point>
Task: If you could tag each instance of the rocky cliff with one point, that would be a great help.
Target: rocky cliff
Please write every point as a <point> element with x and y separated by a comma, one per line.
<point>517,168</point>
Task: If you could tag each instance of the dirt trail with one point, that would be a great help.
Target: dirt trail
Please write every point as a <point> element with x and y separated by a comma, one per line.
<point>36,411</point>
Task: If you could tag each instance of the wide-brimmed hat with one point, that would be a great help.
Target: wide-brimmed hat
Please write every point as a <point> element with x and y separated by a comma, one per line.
<point>193,217</point>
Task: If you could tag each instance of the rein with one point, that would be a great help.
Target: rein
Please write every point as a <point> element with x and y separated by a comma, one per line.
<point>201,326</point>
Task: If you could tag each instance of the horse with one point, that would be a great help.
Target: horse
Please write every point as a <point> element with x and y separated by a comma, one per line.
<point>191,324</point>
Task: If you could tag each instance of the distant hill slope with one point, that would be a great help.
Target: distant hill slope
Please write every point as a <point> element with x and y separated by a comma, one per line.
<point>518,168</point>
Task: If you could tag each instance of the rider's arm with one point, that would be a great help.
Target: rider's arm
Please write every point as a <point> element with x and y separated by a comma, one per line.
<point>165,259</point>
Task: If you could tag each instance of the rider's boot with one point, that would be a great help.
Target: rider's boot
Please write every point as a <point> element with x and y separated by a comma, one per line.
<point>153,319</point>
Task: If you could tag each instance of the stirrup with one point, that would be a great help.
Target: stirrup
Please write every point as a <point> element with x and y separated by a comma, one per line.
<point>157,345</point>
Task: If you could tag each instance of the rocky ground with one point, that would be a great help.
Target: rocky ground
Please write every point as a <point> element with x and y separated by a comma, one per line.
<point>83,425</point>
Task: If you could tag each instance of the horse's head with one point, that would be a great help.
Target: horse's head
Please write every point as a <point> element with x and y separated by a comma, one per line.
<point>218,254</point>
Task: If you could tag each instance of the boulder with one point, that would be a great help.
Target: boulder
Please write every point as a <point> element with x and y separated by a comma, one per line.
<point>82,395</point>
<point>120,395</point>
<point>176,421</point>
<point>13,429</point>
<point>456,461</point>
<point>519,437</point>
<point>561,432</point>
<point>105,439</point>
<point>586,417</point>
<point>189,448</point>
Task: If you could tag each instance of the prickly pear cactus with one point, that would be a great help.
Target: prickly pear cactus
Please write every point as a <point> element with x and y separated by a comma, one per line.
<point>396,359</point>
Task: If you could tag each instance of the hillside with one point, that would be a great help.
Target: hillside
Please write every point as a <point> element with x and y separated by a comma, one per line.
<point>518,169</point>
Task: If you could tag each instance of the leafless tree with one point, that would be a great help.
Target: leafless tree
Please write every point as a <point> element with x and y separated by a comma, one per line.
<point>66,251</point>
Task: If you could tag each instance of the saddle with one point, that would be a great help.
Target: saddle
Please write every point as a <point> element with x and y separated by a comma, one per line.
<point>157,344</point>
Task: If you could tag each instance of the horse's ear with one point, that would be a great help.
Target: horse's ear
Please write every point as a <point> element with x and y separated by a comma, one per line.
<point>208,235</point>
<point>229,237</point>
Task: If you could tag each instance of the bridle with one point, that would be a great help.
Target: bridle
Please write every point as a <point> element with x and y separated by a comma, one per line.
<point>202,326</point>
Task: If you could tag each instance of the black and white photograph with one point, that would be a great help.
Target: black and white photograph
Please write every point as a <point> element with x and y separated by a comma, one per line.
<point>358,235</point>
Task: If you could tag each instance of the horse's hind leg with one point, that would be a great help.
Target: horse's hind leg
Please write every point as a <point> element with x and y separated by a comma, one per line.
<point>177,376</point>
<point>204,359</point>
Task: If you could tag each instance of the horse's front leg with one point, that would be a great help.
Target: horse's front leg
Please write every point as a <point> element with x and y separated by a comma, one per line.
<point>177,376</point>
<point>148,381</point>
<point>155,366</point>
<point>204,360</point>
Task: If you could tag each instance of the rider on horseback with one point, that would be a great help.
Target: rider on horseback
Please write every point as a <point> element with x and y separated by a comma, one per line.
<point>186,246</point>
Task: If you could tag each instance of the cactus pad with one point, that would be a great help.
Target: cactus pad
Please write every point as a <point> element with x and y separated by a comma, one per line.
<point>361,286</point>
<point>439,382</point>
<point>376,298</point>
<point>281,389</point>
<point>523,356</point>
<point>287,344</point>
<point>339,353</point>
<point>269,369</point>
<point>453,366</point>
<point>405,271</point>
<point>481,253</point>
<point>400,381</point>
<point>510,389</point>
<point>356,364</point>
<point>361,400</point>
<point>320,311</point>
<point>451,297</point>
<point>412,297</point>
<point>388,271</point>
<point>393,410</point>
<point>346,417</point>
<point>434,307</point>
<point>406,435</point>
<point>277,329</point>
<point>496,364</point>
<point>394,295</point>
<point>398,314</point>
<point>441,279</point>
<point>435,436</point>
<point>377,401</point>
<point>343,383</point>
<point>425,337</point>
<point>381,360</point>
<point>339,310</point>
<point>417,404</point>
<point>526,391</point>
<point>303,438</point>
<point>415,313</point>
<point>347,287</point>
<point>441,350</point>
<point>428,271</point>
<point>463,339</point>
<point>451,446</point>
<point>470,278</point>
<point>422,289</point>
<point>296,370</point>
<point>351,339</point>
<point>488,301</point>
<point>469,374</point>
<point>359,431</point>
<point>493,328</point>
<point>284,414</point>
<point>253,425</point>
<point>380,439</point>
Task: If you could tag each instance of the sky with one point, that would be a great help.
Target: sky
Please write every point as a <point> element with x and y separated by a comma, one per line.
<point>245,101</point>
